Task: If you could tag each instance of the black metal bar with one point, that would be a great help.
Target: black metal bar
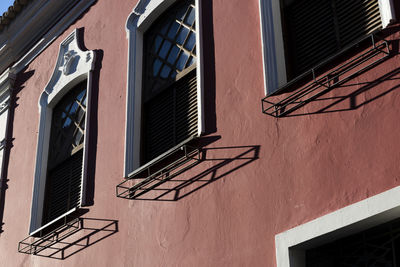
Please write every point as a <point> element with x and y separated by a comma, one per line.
<point>323,84</point>
<point>123,190</point>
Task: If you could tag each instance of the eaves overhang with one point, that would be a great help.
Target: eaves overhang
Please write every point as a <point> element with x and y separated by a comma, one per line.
<point>34,28</point>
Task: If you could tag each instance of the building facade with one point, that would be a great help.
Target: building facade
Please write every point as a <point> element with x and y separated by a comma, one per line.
<point>200,133</point>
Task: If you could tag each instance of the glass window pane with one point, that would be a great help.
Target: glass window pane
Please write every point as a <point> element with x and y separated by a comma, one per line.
<point>157,43</point>
<point>78,138</point>
<point>191,41</point>
<point>156,67</point>
<point>73,109</point>
<point>183,32</point>
<point>67,123</point>
<point>191,61</point>
<point>173,75</point>
<point>173,30</point>
<point>164,49</point>
<point>165,72</point>
<point>80,96</point>
<point>180,15</point>
<point>165,27</point>
<point>173,55</point>
<point>190,17</point>
<point>180,65</point>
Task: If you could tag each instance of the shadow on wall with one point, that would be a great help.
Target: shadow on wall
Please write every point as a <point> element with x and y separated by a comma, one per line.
<point>213,164</point>
<point>22,77</point>
<point>349,95</point>
<point>209,67</point>
<point>70,238</point>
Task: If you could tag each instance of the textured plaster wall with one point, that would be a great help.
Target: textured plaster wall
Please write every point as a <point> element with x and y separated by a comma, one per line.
<point>308,166</point>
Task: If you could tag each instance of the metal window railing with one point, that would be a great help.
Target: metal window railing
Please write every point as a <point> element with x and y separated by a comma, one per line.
<point>179,160</point>
<point>378,51</point>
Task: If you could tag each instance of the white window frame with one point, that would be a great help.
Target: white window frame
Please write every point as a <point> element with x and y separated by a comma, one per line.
<point>73,66</point>
<point>141,18</point>
<point>273,45</point>
<point>291,245</point>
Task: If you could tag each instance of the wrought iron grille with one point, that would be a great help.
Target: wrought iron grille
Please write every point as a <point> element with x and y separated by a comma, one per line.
<point>278,105</point>
<point>148,177</point>
<point>375,247</point>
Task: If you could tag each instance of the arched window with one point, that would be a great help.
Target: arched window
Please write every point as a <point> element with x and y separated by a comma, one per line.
<point>63,138</point>
<point>165,79</point>
<point>169,86</point>
<point>64,168</point>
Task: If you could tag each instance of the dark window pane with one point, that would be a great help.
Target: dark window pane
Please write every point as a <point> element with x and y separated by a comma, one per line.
<point>164,49</point>
<point>67,123</point>
<point>183,32</point>
<point>180,65</point>
<point>173,30</point>
<point>156,67</point>
<point>191,61</point>
<point>191,41</point>
<point>164,27</point>
<point>165,72</point>
<point>157,43</point>
<point>173,55</point>
<point>190,17</point>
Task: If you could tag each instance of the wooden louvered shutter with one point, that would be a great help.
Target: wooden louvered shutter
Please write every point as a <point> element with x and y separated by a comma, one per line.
<point>171,116</point>
<point>64,187</point>
<point>317,29</point>
<point>170,82</point>
<point>64,175</point>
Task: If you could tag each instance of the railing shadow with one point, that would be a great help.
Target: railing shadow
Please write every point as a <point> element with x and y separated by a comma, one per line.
<point>70,238</point>
<point>351,100</point>
<point>330,93</point>
<point>214,164</point>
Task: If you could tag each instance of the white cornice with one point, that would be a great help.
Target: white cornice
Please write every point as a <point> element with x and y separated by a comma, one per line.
<point>35,28</point>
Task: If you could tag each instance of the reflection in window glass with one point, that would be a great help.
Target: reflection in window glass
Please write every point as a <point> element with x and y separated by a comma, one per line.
<point>190,17</point>
<point>171,41</point>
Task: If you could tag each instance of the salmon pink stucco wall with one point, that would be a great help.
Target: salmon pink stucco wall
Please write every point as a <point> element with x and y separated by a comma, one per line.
<point>267,175</point>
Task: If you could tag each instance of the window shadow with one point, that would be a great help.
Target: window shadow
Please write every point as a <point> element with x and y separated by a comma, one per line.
<point>209,67</point>
<point>346,96</point>
<point>21,78</point>
<point>213,164</point>
<point>92,131</point>
<point>70,238</point>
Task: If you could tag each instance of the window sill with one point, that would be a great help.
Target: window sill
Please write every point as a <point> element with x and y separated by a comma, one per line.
<point>318,80</point>
<point>165,167</point>
<point>53,224</point>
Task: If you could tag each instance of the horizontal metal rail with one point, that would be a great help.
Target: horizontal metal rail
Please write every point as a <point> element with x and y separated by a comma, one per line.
<point>139,182</point>
<point>34,245</point>
<point>378,51</point>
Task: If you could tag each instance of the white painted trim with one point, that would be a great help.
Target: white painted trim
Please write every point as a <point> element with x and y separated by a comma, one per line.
<point>272,40</point>
<point>53,221</point>
<point>73,65</point>
<point>359,216</point>
<point>141,18</point>
<point>386,8</point>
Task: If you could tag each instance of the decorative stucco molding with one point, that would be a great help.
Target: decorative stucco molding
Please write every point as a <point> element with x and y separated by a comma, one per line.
<point>73,66</point>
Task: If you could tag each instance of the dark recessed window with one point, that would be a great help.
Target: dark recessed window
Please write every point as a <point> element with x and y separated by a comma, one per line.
<point>376,247</point>
<point>63,184</point>
<point>170,84</point>
<point>317,29</point>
